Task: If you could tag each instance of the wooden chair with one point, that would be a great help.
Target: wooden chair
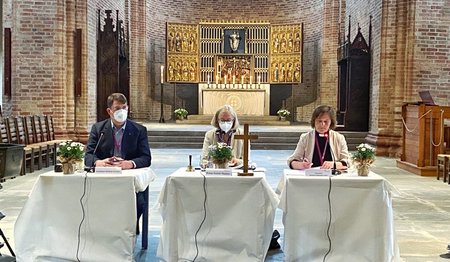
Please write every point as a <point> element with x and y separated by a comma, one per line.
<point>17,135</point>
<point>443,167</point>
<point>30,136</point>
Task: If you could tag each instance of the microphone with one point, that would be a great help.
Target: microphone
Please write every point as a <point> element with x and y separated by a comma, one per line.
<point>334,170</point>
<point>91,167</point>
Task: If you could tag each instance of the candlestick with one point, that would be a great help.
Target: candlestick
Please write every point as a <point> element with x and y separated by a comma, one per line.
<point>259,79</point>
<point>162,74</point>
<point>208,81</point>
<point>234,80</point>
<point>217,79</point>
<point>225,79</point>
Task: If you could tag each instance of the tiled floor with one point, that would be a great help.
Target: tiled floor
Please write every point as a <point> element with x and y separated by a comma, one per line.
<point>422,210</point>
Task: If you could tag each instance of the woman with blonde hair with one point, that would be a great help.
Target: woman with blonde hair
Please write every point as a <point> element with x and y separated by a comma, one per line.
<point>226,125</point>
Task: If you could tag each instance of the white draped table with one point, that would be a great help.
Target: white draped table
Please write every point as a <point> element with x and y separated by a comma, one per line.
<point>238,223</point>
<point>361,228</point>
<point>47,227</point>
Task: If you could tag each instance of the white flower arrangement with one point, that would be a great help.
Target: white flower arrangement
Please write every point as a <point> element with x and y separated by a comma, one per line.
<point>181,112</point>
<point>283,112</point>
<point>365,154</point>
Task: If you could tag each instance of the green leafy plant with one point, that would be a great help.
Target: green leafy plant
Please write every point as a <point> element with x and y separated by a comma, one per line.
<point>364,155</point>
<point>181,112</point>
<point>220,153</point>
<point>70,152</point>
<point>283,113</point>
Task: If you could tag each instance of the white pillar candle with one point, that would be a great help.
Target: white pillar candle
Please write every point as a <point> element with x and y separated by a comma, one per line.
<point>162,74</point>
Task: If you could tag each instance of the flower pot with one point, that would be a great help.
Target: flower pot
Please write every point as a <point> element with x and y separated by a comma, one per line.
<point>220,164</point>
<point>67,168</point>
<point>363,170</point>
<point>282,118</point>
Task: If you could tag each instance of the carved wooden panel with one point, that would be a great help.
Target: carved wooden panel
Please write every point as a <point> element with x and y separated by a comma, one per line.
<point>286,53</point>
<point>112,62</point>
<point>7,63</point>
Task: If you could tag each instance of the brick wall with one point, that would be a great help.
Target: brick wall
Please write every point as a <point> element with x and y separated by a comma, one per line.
<point>431,66</point>
<point>38,61</point>
<point>410,51</point>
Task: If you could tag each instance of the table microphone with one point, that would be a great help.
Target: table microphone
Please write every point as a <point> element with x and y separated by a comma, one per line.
<point>334,170</point>
<point>92,166</point>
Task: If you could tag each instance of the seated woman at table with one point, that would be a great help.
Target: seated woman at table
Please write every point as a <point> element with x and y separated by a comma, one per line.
<point>226,125</point>
<point>322,147</point>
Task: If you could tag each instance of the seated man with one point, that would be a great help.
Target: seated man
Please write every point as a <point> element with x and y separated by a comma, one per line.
<point>120,142</point>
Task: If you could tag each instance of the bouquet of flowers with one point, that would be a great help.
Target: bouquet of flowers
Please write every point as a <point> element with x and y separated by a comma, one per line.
<point>220,153</point>
<point>70,152</point>
<point>181,112</point>
<point>365,154</point>
<point>283,113</point>
<point>363,158</point>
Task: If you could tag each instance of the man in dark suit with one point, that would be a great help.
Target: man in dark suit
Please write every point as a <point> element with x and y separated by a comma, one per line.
<point>118,141</point>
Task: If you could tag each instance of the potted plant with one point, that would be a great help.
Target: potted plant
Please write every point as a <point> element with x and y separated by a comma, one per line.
<point>69,154</point>
<point>363,158</point>
<point>181,113</point>
<point>220,154</point>
<point>283,113</point>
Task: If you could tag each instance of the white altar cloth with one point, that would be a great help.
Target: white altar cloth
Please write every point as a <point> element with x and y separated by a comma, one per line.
<point>362,226</point>
<point>47,227</point>
<point>239,217</point>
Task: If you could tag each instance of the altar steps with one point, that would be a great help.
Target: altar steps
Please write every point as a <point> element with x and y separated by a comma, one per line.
<point>270,137</point>
<point>251,120</point>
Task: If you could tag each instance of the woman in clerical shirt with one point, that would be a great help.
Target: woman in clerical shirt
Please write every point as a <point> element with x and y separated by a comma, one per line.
<point>225,123</point>
<point>322,147</point>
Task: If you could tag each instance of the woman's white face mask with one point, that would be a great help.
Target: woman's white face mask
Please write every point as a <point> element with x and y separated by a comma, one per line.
<point>121,115</point>
<point>226,125</point>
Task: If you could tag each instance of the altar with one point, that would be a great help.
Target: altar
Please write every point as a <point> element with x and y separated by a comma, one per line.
<point>246,99</point>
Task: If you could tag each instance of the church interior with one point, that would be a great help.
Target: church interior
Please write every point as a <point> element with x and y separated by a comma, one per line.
<point>383,65</point>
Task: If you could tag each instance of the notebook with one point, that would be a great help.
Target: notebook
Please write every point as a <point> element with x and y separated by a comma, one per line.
<point>426,97</point>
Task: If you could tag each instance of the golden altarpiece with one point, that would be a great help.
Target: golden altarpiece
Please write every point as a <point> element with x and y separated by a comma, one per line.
<point>234,62</point>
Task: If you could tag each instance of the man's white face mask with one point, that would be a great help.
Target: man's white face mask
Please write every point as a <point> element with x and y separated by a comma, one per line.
<point>121,115</point>
<point>226,125</point>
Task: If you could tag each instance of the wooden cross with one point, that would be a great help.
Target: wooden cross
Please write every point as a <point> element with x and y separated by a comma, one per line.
<point>246,137</point>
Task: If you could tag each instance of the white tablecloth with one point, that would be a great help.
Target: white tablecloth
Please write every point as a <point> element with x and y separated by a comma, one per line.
<point>47,227</point>
<point>239,217</point>
<point>362,226</point>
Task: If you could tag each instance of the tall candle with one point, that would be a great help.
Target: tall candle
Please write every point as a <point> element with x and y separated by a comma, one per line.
<point>162,74</point>
<point>225,81</point>
<point>208,79</point>
<point>217,79</point>
<point>234,80</point>
<point>259,79</point>
<point>242,80</point>
<point>250,80</point>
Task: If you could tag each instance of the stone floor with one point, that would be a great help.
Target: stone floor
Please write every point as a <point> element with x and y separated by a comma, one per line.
<point>421,210</point>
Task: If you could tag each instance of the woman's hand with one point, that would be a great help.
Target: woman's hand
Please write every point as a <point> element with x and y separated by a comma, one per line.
<point>330,165</point>
<point>233,162</point>
<point>305,164</point>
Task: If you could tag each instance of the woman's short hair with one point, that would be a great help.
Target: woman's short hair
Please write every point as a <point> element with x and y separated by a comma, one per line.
<point>320,110</point>
<point>116,97</point>
<point>227,109</point>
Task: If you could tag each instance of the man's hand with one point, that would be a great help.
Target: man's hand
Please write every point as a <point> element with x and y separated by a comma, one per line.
<point>115,161</point>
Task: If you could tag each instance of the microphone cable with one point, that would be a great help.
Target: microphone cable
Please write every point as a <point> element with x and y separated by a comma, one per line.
<point>204,217</point>
<point>329,220</point>
<point>82,216</point>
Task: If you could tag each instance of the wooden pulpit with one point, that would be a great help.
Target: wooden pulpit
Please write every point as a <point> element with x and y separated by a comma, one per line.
<point>423,137</point>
